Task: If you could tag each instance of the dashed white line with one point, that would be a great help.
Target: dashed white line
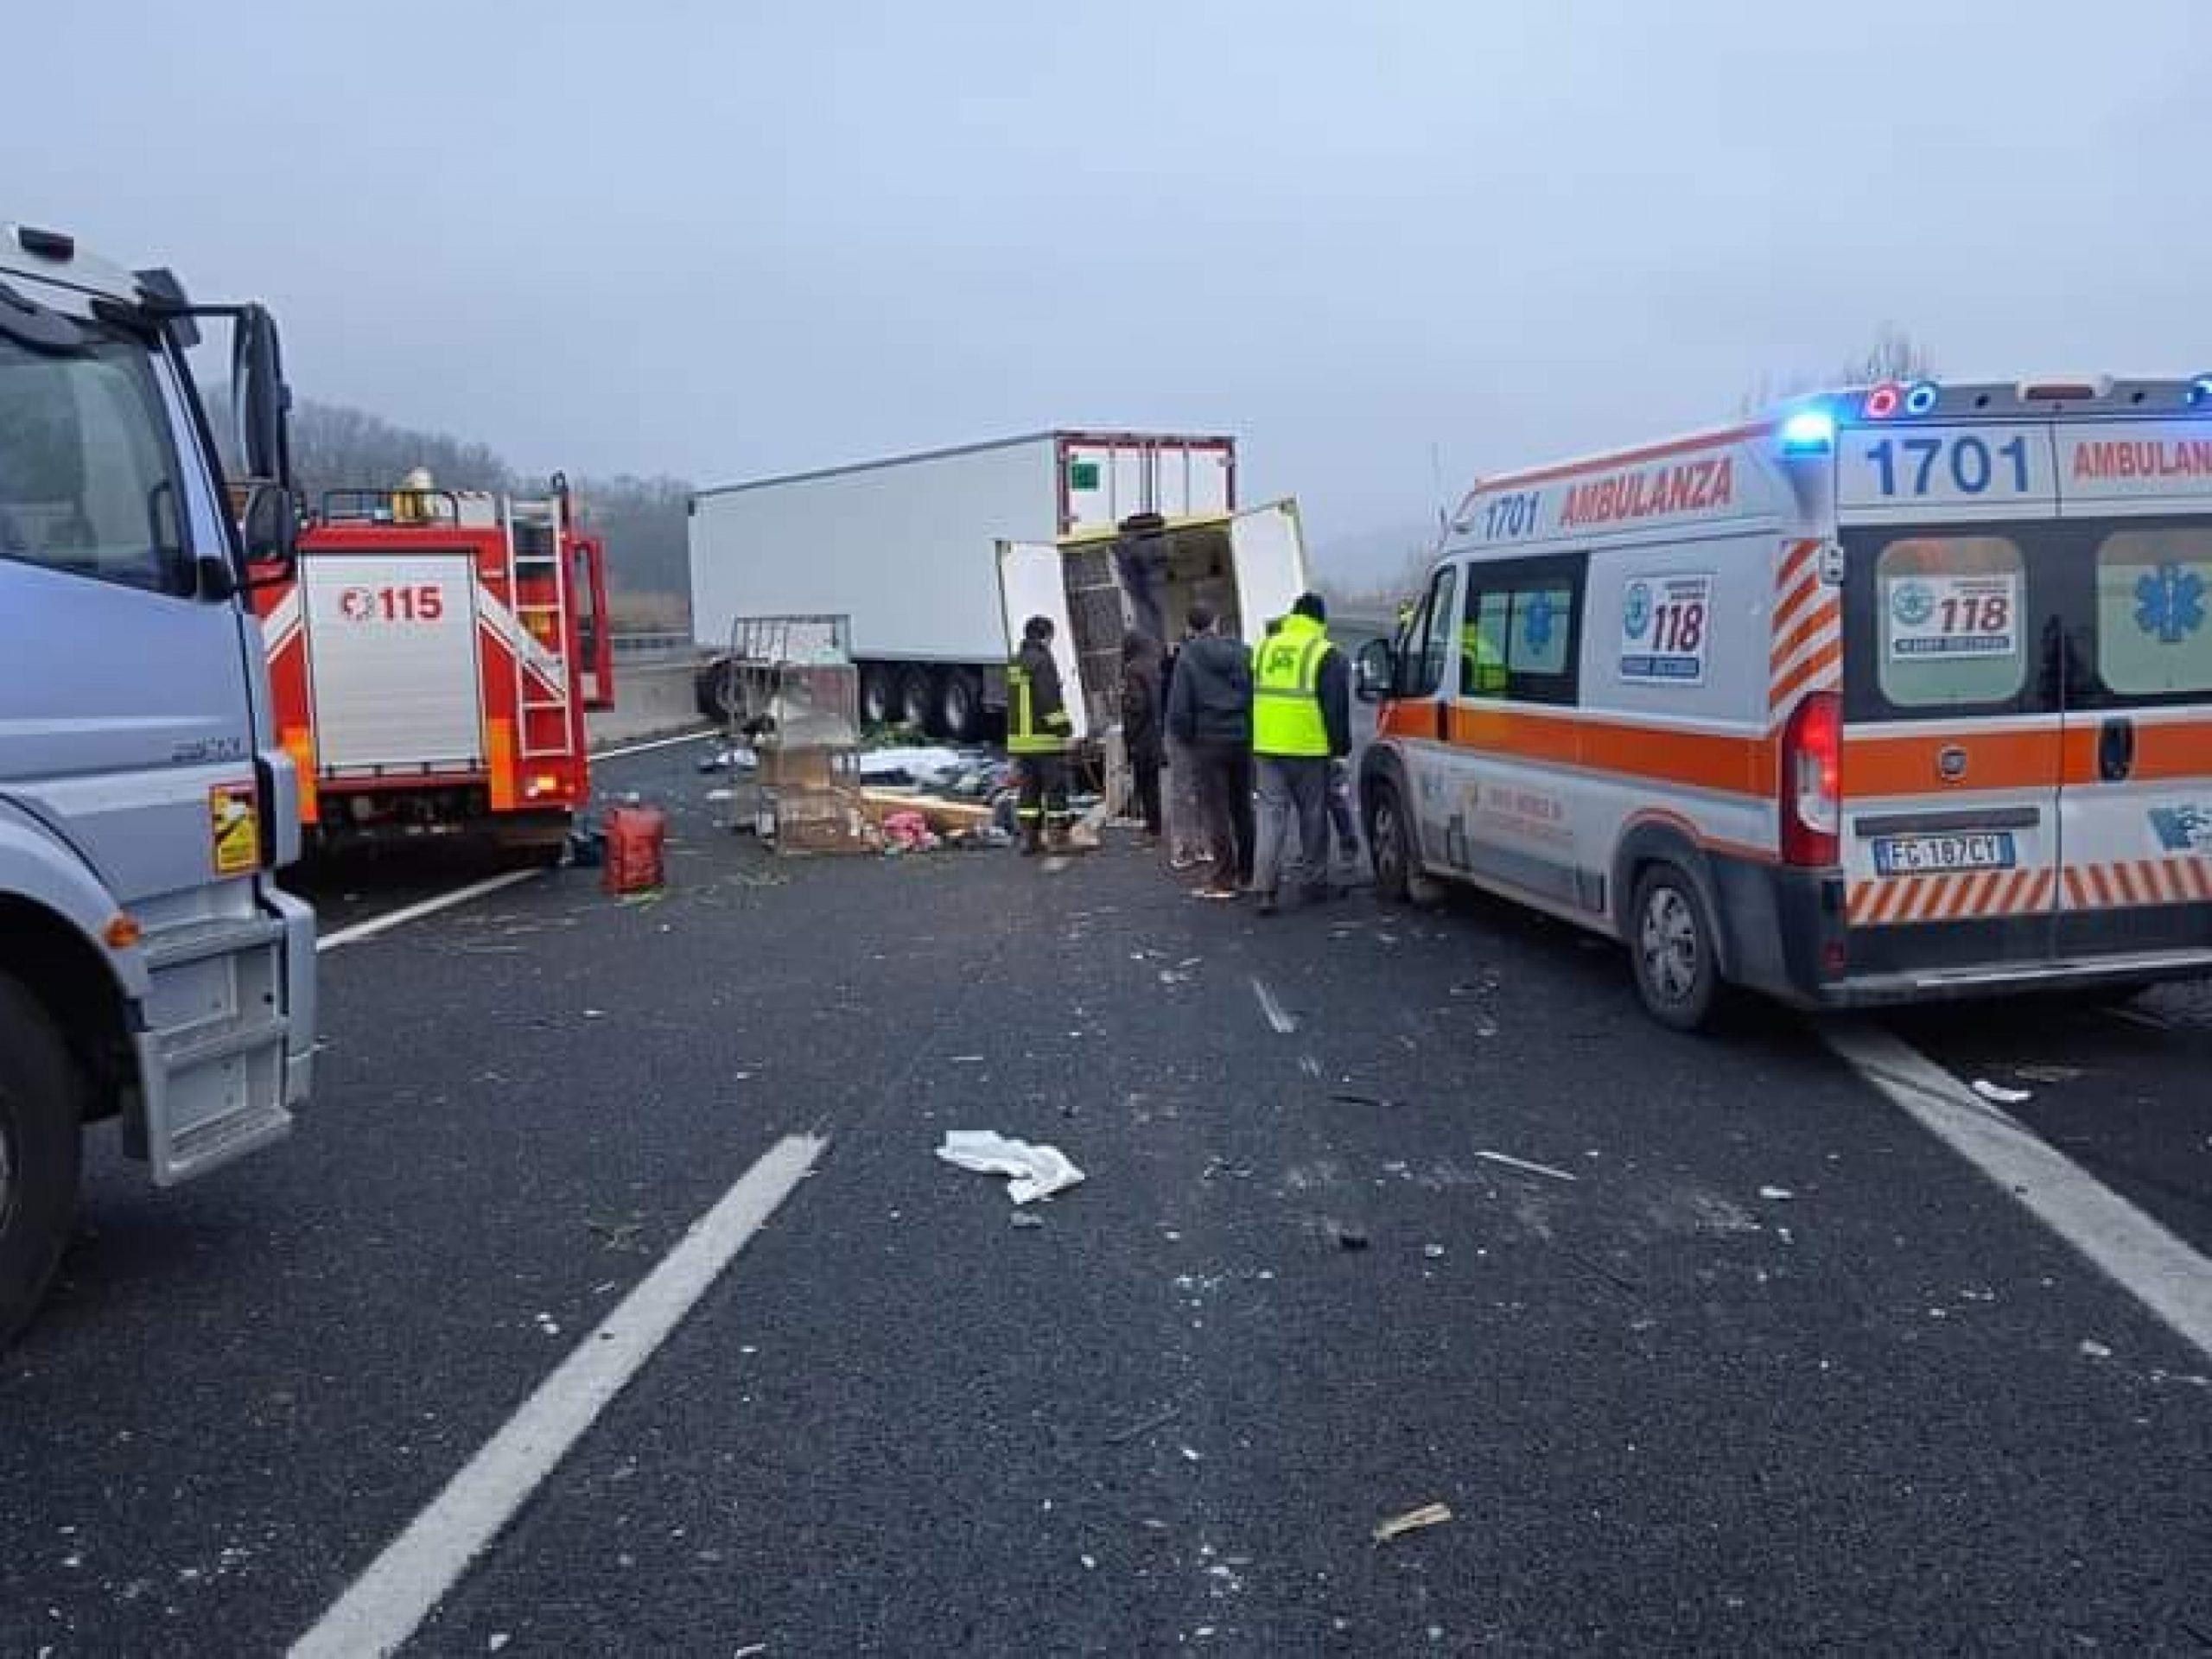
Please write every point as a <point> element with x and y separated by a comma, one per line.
<point>2159,1270</point>
<point>406,914</point>
<point>652,744</point>
<point>389,1602</point>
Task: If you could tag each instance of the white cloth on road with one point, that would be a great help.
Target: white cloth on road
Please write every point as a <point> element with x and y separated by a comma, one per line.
<point>1036,1171</point>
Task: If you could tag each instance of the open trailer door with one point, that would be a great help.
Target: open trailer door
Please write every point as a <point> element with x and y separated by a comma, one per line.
<point>1033,581</point>
<point>1268,551</point>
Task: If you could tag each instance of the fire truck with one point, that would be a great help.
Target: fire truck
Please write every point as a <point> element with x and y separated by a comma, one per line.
<point>432,661</point>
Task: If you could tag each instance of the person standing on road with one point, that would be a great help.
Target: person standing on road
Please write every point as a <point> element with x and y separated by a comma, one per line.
<point>1140,722</point>
<point>1210,712</point>
<point>1185,825</point>
<point>1301,722</point>
<point>1037,729</point>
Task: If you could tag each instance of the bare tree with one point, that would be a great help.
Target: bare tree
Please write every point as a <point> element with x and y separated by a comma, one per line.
<point>1893,354</point>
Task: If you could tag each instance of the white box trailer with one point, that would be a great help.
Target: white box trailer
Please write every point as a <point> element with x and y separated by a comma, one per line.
<point>905,548</point>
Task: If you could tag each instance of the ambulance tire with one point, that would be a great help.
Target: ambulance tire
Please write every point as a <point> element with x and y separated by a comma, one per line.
<point>41,1154</point>
<point>1673,949</point>
<point>1390,842</point>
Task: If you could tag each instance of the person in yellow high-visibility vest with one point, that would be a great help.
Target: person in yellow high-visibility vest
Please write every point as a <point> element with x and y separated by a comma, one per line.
<point>1301,722</point>
<point>1037,730</point>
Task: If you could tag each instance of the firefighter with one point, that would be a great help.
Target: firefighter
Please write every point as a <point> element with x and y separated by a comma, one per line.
<point>1037,729</point>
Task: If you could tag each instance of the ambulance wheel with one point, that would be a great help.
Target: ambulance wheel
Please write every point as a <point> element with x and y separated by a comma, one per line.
<point>1398,879</point>
<point>960,705</point>
<point>1670,942</point>
<point>40,1153</point>
<point>917,699</point>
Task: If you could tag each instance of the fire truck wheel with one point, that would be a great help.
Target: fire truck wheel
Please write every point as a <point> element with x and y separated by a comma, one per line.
<point>1670,942</point>
<point>40,1151</point>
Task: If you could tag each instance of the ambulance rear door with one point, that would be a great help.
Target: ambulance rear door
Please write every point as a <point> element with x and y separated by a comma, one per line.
<point>2137,802</point>
<point>1956,605</point>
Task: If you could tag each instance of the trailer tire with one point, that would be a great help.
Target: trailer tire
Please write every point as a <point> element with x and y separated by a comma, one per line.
<point>918,700</point>
<point>1674,948</point>
<point>875,695</point>
<point>41,1098</point>
<point>960,704</point>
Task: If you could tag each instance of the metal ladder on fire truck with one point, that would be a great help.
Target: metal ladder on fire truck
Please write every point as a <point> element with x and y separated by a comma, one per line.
<point>534,551</point>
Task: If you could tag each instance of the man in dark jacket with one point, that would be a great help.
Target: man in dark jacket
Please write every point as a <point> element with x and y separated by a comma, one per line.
<point>1301,724</point>
<point>1210,709</point>
<point>1037,729</point>
<point>1140,723</point>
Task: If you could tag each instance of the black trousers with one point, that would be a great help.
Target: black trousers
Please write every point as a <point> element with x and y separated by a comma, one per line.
<point>1144,773</point>
<point>1225,806</point>
<point>1044,799</point>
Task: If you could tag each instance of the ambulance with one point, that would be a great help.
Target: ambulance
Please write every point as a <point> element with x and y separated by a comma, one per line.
<point>1900,694</point>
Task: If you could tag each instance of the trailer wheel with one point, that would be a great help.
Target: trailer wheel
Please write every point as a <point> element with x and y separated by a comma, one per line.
<point>41,1094</point>
<point>1671,948</point>
<point>875,694</point>
<point>960,704</point>
<point>917,699</point>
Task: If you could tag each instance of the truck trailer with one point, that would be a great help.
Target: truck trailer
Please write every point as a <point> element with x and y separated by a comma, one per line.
<point>906,549</point>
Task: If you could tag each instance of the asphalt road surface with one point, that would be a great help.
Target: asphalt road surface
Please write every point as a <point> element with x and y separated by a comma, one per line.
<point>1704,1343</point>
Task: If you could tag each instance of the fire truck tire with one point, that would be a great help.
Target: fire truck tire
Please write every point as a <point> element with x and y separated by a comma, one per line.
<point>918,700</point>
<point>1673,949</point>
<point>960,704</point>
<point>875,694</point>
<point>41,1103</point>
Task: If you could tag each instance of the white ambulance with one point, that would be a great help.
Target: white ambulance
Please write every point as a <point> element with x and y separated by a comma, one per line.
<point>1903,693</point>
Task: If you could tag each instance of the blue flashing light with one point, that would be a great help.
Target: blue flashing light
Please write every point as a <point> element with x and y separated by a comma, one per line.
<point>2200,392</point>
<point>1921,398</point>
<point>1809,432</point>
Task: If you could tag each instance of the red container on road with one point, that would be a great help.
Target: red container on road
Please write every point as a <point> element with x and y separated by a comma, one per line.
<point>635,838</point>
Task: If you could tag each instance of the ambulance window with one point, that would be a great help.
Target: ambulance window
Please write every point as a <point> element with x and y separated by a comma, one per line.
<point>1950,621</point>
<point>2154,611</point>
<point>1543,619</point>
<point>1428,641</point>
<point>1482,644</point>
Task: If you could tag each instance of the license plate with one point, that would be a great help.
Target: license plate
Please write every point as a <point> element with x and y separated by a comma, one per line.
<point>1990,849</point>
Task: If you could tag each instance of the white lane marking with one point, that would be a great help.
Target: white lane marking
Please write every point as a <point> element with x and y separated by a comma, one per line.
<point>655,743</point>
<point>389,1601</point>
<point>1511,1162</point>
<point>1281,1021</point>
<point>406,914</point>
<point>2156,1268</point>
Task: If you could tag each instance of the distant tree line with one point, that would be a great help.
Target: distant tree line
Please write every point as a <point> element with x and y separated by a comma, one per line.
<point>641,519</point>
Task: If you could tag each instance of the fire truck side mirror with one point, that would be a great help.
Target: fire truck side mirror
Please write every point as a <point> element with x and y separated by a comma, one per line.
<point>270,527</point>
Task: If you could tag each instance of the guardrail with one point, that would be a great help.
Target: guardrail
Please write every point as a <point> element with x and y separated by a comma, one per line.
<point>639,647</point>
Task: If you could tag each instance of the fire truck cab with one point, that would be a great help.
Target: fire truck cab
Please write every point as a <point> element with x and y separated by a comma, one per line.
<point>433,660</point>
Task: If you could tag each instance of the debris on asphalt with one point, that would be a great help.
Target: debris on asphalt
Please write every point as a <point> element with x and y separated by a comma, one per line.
<point>1776,1194</point>
<point>1511,1162</point>
<point>722,795</point>
<point>1036,1171</point>
<point>1024,1219</point>
<point>1997,1095</point>
<point>1434,1252</point>
<point>1277,1016</point>
<point>497,1640</point>
<point>1428,1515</point>
<point>1348,1237</point>
<point>616,1235</point>
<point>739,758</point>
<point>2047,1073</point>
<point>1353,1097</point>
<point>2095,1350</point>
<point>1145,1425</point>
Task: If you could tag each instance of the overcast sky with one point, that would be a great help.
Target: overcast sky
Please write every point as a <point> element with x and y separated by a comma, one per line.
<point>721,240</point>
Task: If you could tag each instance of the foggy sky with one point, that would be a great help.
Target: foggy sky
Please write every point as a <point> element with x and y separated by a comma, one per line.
<point>724,240</point>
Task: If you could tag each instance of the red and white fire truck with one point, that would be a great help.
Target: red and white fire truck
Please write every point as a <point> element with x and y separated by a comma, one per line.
<point>432,661</point>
